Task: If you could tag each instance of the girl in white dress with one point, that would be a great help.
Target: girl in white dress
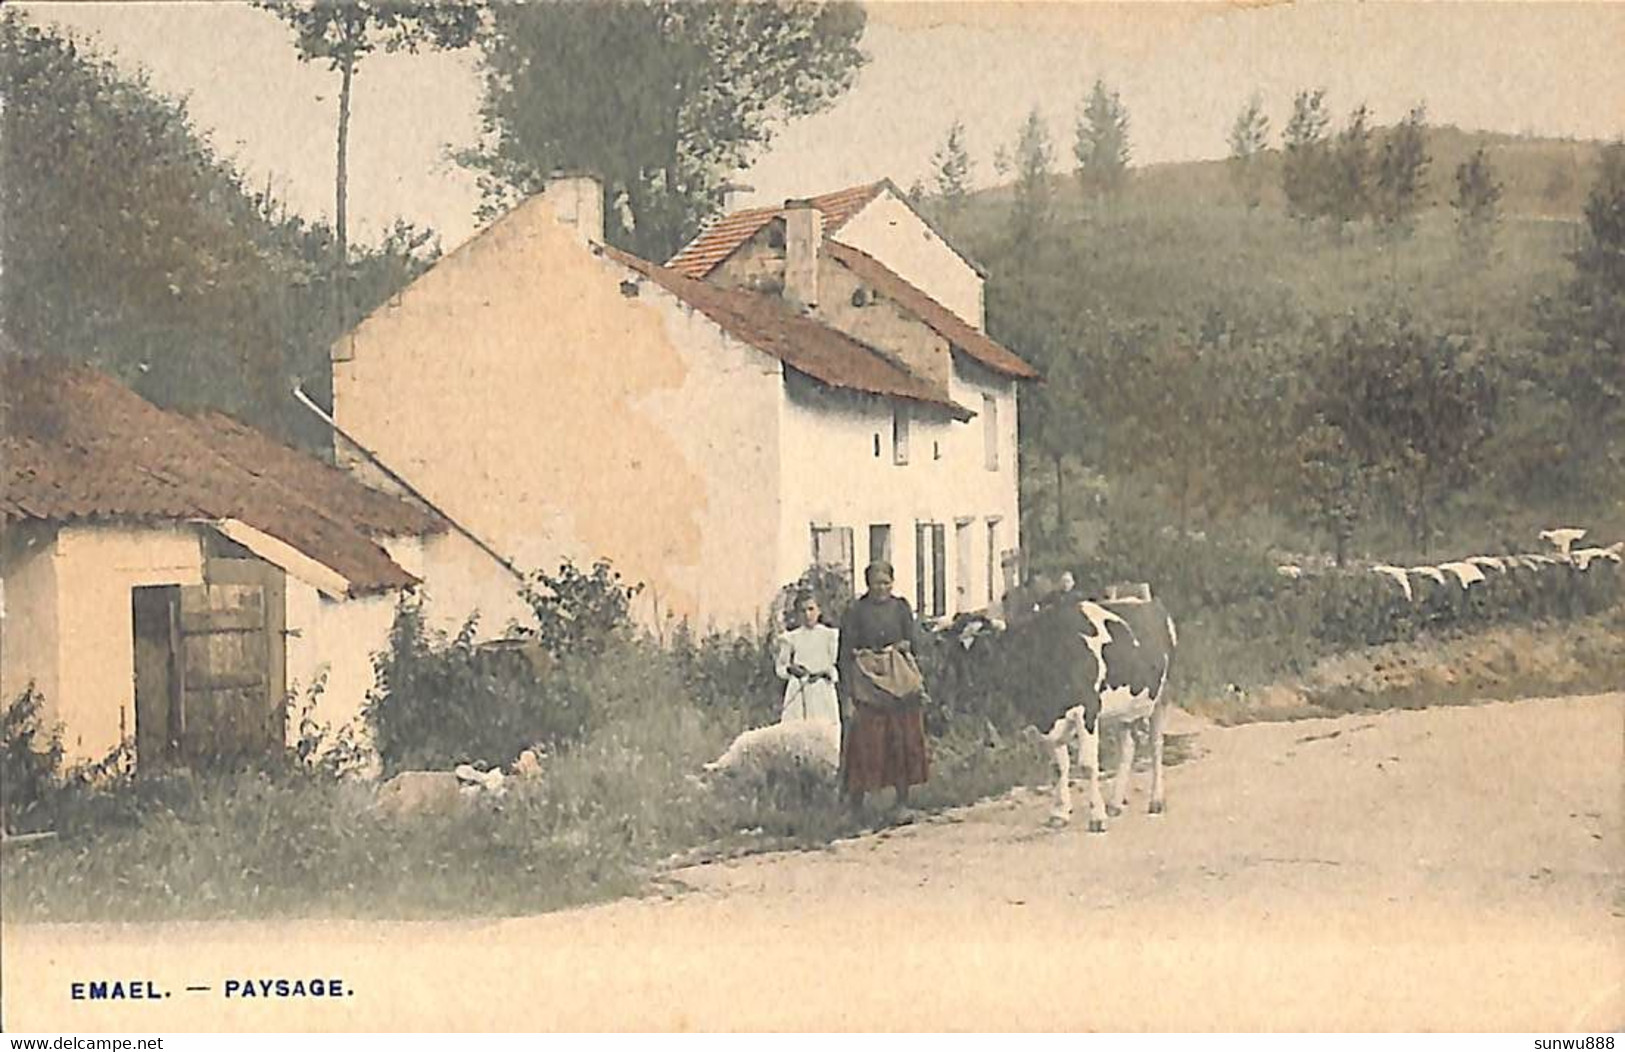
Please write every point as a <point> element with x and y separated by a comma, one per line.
<point>806,662</point>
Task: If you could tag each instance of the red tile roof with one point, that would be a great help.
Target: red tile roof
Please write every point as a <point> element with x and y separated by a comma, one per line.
<point>964,336</point>
<point>717,242</point>
<point>803,343</point>
<point>77,445</point>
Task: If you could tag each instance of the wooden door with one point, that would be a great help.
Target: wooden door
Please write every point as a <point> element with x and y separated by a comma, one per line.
<point>233,663</point>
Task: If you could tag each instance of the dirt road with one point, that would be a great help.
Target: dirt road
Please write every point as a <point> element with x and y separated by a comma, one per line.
<point>1454,869</point>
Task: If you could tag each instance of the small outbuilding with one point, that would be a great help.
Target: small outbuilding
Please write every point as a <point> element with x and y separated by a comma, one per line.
<point>173,580</point>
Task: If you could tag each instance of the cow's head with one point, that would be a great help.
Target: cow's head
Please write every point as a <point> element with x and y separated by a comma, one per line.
<point>967,630</point>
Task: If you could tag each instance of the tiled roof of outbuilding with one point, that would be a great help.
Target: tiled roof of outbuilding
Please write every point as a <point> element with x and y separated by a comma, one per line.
<point>77,445</point>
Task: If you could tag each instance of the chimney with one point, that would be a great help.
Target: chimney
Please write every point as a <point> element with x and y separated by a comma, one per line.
<point>734,194</point>
<point>578,201</point>
<point>803,233</point>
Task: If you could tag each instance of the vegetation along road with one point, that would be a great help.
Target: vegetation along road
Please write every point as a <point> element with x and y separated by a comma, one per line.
<point>1455,868</point>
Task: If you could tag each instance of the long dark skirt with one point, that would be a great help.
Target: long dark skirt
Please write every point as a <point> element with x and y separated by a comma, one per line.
<point>885,748</point>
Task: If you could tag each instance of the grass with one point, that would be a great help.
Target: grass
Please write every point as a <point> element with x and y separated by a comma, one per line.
<point>599,822</point>
<point>610,812</point>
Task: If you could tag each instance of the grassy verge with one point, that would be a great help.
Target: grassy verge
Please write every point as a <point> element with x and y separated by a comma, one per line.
<point>603,817</point>
<point>1504,663</point>
<point>609,812</point>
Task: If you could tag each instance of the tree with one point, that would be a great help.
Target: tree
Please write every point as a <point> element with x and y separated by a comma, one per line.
<point>661,99</point>
<point>1306,162</point>
<point>1583,354</point>
<point>343,32</point>
<point>1410,407</point>
<point>1102,144</point>
<point>1349,198</point>
<point>1402,173</point>
<point>1333,485</point>
<point>1478,206</point>
<point>1249,138</point>
<point>1032,158</point>
<point>129,245</point>
<point>952,166</point>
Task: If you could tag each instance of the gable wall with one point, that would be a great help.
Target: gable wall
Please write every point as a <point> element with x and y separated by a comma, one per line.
<point>888,230</point>
<point>527,395</point>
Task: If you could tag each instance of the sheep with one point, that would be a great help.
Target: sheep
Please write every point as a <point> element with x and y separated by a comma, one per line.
<point>1562,538</point>
<point>795,745</point>
<point>473,782</point>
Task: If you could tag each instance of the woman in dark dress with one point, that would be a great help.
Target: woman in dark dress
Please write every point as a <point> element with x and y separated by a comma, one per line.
<point>881,744</point>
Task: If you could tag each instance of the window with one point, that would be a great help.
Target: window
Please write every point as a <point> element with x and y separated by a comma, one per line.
<point>877,444</point>
<point>930,569</point>
<point>992,559</point>
<point>899,435</point>
<point>964,560</point>
<point>832,549</point>
<point>880,543</point>
<point>990,431</point>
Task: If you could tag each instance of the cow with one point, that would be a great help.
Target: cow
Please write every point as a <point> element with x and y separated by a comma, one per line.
<point>1092,665</point>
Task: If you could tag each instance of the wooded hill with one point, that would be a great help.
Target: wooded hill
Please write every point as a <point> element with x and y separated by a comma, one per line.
<point>1171,304</point>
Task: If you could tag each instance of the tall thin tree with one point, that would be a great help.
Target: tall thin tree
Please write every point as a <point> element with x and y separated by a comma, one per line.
<point>1402,173</point>
<point>344,32</point>
<point>1306,161</point>
<point>1101,145</point>
<point>1249,138</point>
<point>1478,206</point>
<point>951,165</point>
<point>1350,196</point>
<point>1032,159</point>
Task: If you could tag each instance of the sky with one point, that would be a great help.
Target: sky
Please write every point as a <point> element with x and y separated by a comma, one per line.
<point>1183,71</point>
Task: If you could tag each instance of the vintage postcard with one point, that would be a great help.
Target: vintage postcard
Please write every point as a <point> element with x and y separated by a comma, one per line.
<point>685,515</point>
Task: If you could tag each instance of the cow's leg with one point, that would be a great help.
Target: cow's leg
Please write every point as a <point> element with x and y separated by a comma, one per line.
<point>1159,718</point>
<point>1057,737</point>
<point>1125,768</point>
<point>1089,755</point>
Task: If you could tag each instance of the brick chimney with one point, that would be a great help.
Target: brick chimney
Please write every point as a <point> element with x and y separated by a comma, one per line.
<point>803,234</point>
<point>578,201</point>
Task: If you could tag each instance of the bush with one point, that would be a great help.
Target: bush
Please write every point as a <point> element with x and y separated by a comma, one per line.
<point>578,613</point>
<point>730,674</point>
<point>440,701</point>
<point>30,764</point>
<point>1363,608</point>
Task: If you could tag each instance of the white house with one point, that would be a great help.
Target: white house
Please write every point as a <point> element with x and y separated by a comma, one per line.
<point>779,395</point>
<point>169,579</point>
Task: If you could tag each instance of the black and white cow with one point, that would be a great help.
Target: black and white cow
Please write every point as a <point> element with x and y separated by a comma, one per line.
<point>1092,665</point>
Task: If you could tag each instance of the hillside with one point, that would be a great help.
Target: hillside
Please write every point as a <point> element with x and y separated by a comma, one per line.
<point>1119,303</point>
<point>1179,247</point>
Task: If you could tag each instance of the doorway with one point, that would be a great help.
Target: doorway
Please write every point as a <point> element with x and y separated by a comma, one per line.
<point>159,715</point>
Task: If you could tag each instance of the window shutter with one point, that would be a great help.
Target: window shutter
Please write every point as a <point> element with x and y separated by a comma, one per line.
<point>939,570</point>
<point>990,432</point>
<point>920,564</point>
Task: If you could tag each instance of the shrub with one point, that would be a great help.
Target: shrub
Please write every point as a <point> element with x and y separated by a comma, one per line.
<point>576,612</point>
<point>30,764</point>
<point>439,701</point>
<point>1361,608</point>
<point>729,674</point>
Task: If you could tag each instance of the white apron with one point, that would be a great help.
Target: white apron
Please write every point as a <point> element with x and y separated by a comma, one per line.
<point>810,697</point>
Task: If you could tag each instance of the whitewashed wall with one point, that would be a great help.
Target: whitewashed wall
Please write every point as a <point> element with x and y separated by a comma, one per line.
<point>887,229</point>
<point>833,477</point>
<point>560,408</point>
<point>95,569</point>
